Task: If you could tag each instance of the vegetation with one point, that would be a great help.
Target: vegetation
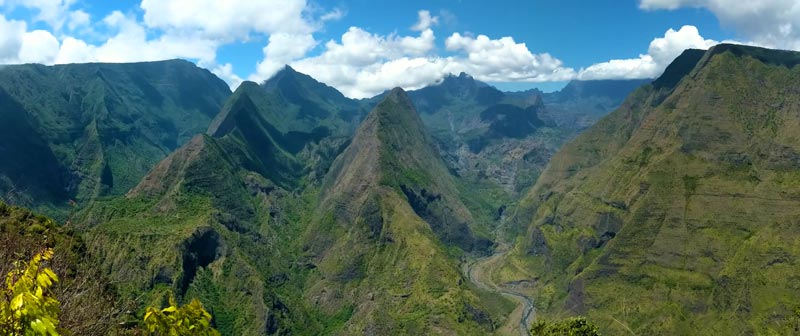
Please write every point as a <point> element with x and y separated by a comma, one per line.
<point>86,130</point>
<point>654,219</point>
<point>28,306</point>
<point>576,326</point>
<point>190,319</point>
<point>278,218</point>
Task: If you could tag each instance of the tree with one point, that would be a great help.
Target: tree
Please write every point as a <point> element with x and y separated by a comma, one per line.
<point>28,306</point>
<point>576,326</point>
<point>191,319</point>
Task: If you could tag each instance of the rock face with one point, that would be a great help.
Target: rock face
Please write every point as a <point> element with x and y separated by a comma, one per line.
<point>676,213</point>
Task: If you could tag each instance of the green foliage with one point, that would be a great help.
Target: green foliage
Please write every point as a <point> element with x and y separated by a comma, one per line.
<point>676,213</point>
<point>190,319</point>
<point>79,131</point>
<point>28,306</point>
<point>576,326</point>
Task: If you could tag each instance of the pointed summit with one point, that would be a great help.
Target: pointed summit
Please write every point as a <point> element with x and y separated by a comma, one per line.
<point>313,103</point>
<point>393,150</point>
<point>389,212</point>
<point>303,90</point>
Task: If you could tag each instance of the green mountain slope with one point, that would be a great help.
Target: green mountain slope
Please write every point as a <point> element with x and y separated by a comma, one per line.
<point>215,221</point>
<point>96,129</point>
<point>219,218</point>
<point>497,143</point>
<point>314,104</point>
<point>676,214</point>
<point>388,232</point>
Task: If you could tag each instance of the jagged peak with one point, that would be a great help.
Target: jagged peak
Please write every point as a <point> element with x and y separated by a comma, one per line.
<point>396,110</point>
<point>297,80</point>
<point>398,95</point>
<point>240,100</point>
<point>462,78</point>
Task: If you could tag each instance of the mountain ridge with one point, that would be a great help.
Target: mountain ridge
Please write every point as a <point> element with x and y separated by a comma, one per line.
<point>674,197</point>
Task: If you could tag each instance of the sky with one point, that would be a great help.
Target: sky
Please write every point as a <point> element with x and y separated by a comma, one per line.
<point>363,47</point>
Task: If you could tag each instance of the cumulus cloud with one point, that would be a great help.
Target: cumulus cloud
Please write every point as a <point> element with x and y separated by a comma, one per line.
<point>18,45</point>
<point>504,60</point>
<point>11,33</point>
<point>38,46</point>
<point>286,23</point>
<point>364,64</point>
<point>281,50</point>
<point>362,54</point>
<point>227,20</point>
<point>662,52</point>
<point>360,63</point>
<point>77,19</point>
<point>225,72</point>
<point>55,13</point>
<point>769,23</point>
<point>425,21</point>
<point>130,43</point>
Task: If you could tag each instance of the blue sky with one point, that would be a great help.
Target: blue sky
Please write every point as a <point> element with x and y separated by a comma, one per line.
<point>363,47</point>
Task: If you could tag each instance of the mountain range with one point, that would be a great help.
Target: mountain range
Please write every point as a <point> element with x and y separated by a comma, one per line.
<point>659,206</point>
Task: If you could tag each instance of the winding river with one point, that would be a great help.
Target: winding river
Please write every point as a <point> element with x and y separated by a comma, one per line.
<point>474,272</point>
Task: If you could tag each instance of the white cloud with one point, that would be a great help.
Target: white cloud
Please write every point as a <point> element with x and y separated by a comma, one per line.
<point>662,52</point>
<point>130,44</point>
<point>360,63</point>
<point>18,45</point>
<point>77,19</point>
<point>506,60</point>
<point>364,64</point>
<point>769,23</point>
<point>360,55</point>
<point>55,13</point>
<point>335,14</point>
<point>425,21</point>
<point>11,33</point>
<point>225,72</point>
<point>39,46</point>
<point>227,20</point>
<point>282,49</point>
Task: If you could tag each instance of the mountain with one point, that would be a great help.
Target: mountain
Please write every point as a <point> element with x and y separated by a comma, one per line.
<point>581,103</point>
<point>388,232</point>
<point>311,104</point>
<point>218,218</point>
<point>215,221</point>
<point>677,213</point>
<point>297,211</point>
<point>497,143</point>
<point>88,130</point>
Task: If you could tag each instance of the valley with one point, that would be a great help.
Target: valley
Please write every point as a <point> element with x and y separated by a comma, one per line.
<point>661,206</point>
<point>522,317</point>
